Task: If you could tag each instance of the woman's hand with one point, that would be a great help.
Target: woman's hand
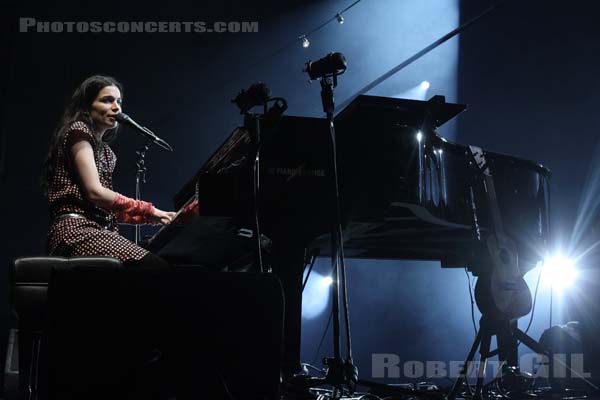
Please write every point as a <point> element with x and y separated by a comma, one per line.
<point>163,217</point>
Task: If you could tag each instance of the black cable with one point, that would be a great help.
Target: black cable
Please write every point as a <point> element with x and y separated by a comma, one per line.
<point>465,383</point>
<point>323,337</point>
<point>537,285</point>
<point>369,396</point>
<point>256,188</point>
<point>349,7</point>
<point>225,387</point>
<point>256,178</point>
<point>473,320</point>
<point>472,301</point>
<point>319,370</point>
<point>312,263</point>
<point>334,18</point>
<point>551,305</point>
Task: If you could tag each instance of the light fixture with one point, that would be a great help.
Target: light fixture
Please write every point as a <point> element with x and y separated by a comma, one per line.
<point>419,136</point>
<point>304,39</point>
<point>425,85</point>
<point>339,18</point>
<point>316,294</point>
<point>559,272</point>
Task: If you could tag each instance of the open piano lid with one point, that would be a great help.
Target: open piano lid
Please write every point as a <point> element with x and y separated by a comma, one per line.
<point>432,113</point>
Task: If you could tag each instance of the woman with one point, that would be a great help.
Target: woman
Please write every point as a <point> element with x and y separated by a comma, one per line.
<point>83,207</point>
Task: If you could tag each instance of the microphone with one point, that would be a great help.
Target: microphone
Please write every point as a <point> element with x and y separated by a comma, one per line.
<point>257,94</point>
<point>124,119</point>
<point>331,64</point>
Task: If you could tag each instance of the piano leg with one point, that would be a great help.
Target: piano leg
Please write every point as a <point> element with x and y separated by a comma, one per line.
<point>288,264</point>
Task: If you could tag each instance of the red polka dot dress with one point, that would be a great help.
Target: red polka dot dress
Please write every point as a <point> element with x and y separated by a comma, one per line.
<point>79,227</point>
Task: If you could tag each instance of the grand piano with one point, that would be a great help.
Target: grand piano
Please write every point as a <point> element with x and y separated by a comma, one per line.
<point>406,193</point>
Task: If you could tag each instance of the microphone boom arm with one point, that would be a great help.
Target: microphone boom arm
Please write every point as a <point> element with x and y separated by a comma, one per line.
<point>142,130</point>
<point>158,141</point>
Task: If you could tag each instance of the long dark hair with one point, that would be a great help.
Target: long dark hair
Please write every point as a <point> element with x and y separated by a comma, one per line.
<point>78,109</point>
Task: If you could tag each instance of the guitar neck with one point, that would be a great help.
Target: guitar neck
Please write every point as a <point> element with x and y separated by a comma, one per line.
<point>494,206</point>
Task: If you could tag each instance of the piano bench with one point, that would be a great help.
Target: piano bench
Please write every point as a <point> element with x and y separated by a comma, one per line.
<point>29,277</point>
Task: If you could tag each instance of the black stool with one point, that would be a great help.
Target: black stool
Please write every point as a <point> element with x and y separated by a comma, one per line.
<point>29,281</point>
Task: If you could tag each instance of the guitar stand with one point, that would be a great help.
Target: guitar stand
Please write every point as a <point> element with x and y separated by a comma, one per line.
<point>507,334</point>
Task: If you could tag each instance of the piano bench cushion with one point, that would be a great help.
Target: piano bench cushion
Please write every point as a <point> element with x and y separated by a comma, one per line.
<point>38,269</point>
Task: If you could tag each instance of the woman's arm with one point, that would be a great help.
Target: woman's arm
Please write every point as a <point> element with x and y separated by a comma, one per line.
<point>82,155</point>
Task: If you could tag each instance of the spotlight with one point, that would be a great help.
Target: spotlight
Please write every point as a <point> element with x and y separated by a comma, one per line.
<point>316,295</point>
<point>419,136</point>
<point>305,42</point>
<point>257,94</point>
<point>331,65</point>
<point>339,18</point>
<point>559,272</point>
<point>425,85</point>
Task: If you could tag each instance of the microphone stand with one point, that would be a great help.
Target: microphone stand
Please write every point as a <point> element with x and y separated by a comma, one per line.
<point>140,176</point>
<point>256,185</point>
<point>339,372</point>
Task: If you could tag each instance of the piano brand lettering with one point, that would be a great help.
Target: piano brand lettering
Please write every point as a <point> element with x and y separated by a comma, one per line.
<point>293,172</point>
<point>387,365</point>
<point>28,25</point>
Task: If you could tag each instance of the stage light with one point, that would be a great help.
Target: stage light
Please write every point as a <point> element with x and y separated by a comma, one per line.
<point>305,42</point>
<point>419,136</point>
<point>425,85</point>
<point>315,296</point>
<point>559,272</point>
<point>339,18</point>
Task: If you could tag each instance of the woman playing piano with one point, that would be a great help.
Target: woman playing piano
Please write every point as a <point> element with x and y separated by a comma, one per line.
<point>84,209</point>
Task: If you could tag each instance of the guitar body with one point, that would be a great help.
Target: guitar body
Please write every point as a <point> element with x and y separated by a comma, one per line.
<point>503,290</point>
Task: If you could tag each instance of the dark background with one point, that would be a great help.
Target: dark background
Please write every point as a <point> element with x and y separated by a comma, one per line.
<point>529,73</point>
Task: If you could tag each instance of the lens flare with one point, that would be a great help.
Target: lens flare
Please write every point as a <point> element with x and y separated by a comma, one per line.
<point>559,272</point>
<point>315,296</point>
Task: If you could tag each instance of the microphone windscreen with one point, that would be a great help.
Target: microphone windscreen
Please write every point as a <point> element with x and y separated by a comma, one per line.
<point>122,117</point>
